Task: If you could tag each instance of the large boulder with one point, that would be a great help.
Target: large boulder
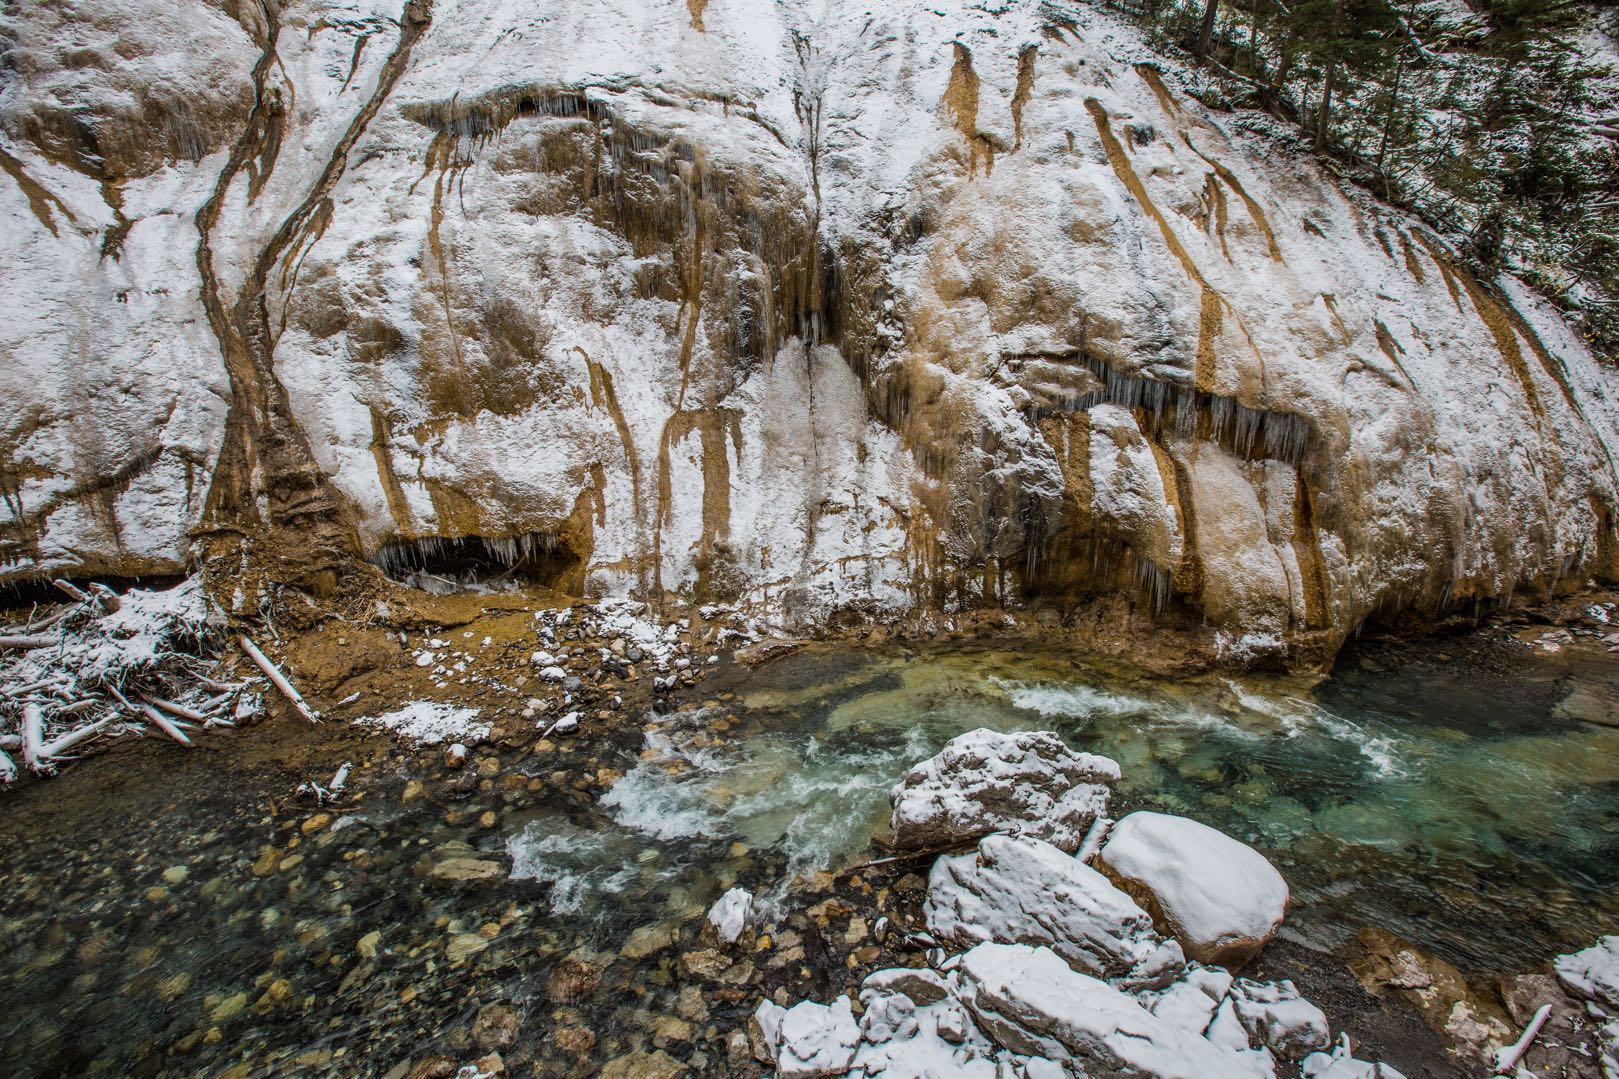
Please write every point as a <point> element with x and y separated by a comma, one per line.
<point>1029,783</point>
<point>1016,890</point>
<point>1030,1001</point>
<point>1592,973</point>
<point>1220,898</point>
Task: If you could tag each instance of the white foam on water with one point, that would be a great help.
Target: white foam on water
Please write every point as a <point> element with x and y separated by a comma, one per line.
<point>1077,701</point>
<point>580,866</point>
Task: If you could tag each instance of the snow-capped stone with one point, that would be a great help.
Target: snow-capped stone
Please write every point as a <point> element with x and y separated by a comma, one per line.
<point>983,782</point>
<point>1190,1001</point>
<point>816,1040</point>
<point>764,1031</point>
<point>1276,1014</point>
<point>921,986</point>
<point>1219,897</point>
<point>1592,973</point>
<point>1029,1001</point>
<point>1339,1064</point>
<point>1015,890</point>
<point>729,914</point>
<point>553,674</point>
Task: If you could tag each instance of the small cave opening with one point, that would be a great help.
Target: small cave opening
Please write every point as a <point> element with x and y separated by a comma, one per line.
<point>25,593</point>
<point>446,564</point>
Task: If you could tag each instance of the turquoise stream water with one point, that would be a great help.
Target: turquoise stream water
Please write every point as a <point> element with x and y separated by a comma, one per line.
<point>1445,802</point>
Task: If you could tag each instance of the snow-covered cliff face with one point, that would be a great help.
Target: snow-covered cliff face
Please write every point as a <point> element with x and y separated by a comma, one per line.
<point>822,307</point>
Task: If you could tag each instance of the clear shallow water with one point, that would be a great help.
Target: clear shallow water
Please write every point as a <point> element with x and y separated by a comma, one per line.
<point>1443,803</point>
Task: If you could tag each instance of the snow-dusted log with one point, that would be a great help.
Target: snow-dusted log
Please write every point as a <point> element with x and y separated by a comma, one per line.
<point>72,591</point>
<point>33,737</point>
<point>27,642</point>
<point>1507,1059</point>
<point>58,746</point>
<point>174,709</point>
<point>163,722</point>
<point>273,673</point>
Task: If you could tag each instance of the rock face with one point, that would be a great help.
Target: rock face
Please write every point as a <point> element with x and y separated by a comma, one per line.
<point>923,307</point>
<point>1029,783</point>
<point>1030,1001</point>
<point>1220,898</point>
<point>1024,891</point>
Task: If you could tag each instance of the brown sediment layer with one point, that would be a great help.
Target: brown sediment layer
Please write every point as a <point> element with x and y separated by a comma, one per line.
<point>305,535</point>
<point>961,98</point>
<point>393,491</point>
<point>1024,91</point>
<point>1209,318</point>
<point>40,199</point>
<point>1151,76</point>
<point>1413,264</point>
<point>1255,211</point>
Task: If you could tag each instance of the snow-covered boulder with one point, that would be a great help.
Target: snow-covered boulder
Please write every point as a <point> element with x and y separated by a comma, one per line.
<point>983,782</point>
<point>816,1040</point>
<point>1277,1015</point>
<point>1015,890</point>
<point>1340,1065</point>
<point>1592,973</point>
<point>729,914</point>
<point>1220,898</point>
<point>1190,1001</point>
<point>921,986</point>
<point>1030,1001</point>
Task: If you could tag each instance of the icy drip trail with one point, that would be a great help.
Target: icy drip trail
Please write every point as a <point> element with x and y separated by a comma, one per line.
<point>266,454</point>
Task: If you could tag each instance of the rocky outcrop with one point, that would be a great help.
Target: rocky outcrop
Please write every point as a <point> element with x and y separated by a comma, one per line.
<point>1027,783</point>
<point>1024,891</point>
<point>1220,898</point>
<point>919,309</point>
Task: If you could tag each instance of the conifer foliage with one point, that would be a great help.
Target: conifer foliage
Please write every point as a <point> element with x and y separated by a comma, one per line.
<point>1496,120</point>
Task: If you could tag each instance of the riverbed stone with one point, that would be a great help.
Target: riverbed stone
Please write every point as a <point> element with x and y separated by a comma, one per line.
<point>648,940</point>
<point>496,1027</point>
<point>1017,890</point>
<point>983,781</point>
<point>1030,1001</point>
<point>658,1065</point>
<point>1219,897</point>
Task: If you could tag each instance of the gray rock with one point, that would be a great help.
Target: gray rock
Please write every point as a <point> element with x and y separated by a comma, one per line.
<point>1025,891</point>
<point>981,782</point>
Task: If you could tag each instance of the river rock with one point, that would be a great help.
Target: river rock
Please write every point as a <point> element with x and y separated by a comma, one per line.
<point>1190,1002</point>
<point>1220,898</point>
<point>1016,890</point>
<point>816,1040</point>
<point>982,782</point>
<point>1592,973</point>
<point>659,1065</point>
<point>729,914</point>
<point>1030,1001</point>
<point>921,986</point>
<point>1277,1015</point>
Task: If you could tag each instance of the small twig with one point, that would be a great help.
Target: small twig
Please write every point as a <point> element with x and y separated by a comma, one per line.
<point>910,856</point>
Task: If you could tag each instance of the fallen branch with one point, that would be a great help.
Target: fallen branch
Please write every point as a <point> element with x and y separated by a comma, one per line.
<point>1507,1059</point>
<point>962,844</point>
<point>273,673</point>
<point>28,643</point>
<point>61,745</point>
<point>72,591</point>
<point>175,709</point>
<point>33,737</point>
<point>163,722</point>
